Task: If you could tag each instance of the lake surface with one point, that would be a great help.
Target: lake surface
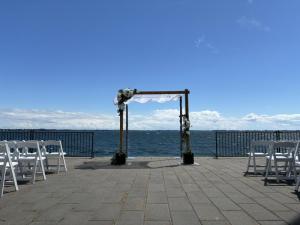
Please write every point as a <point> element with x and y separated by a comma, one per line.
<point>154,143</point>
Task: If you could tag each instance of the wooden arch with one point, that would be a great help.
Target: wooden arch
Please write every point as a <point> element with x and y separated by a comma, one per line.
<point>120,156</point>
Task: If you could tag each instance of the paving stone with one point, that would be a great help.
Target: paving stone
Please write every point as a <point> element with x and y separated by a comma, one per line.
<point>239,218</point>
<point>172,181</point>
<point>281,198</point>
<point>258,212</point>
<point>140,192</point>
<point>190,187</point>
<point>271,204</point>
<point>295,207</point>
<point>224,204</point>
<point>207,212</point>
<point>247,190</point>
<point>39,223</point>
<point>75,198</point>
<point>239,198</point>
<point>157,212</point>
<point>213,192</point>
<point>41,205</point>
<point>207,222</point>
<point>175,192</point>
<point>113,197</point>
<point>55,213</point>
<point>21,219</point>
<point>131,218</point>
<point>184,218</point>
<point>106,212</point>
<point>87,205</point>
<point>289,216</point>
<point>135,203</point>
<point>184,179</point>
<point>227,188</point>
<point>100,222</point>
<point>156,187</point>
<point>157,197</point>
<point>198,197</point>
<point>75,218</point>
<point>179,204</point>
<point>157,223</point>
<point>272,223</point>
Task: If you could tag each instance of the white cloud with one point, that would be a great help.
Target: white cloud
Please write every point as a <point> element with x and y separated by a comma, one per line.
<point>201,42</point>
<point>19,118</point>
<point>157,119</point>
<point>251,23</point>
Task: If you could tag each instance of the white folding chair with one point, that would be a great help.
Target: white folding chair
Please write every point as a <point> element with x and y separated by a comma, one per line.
<point>297,184</point>
<point>52,149</point>
<point>282,152</point>
<point>258,149</point>
<point>32,161</point>
<point>7,165</point>
<point>297,165</point>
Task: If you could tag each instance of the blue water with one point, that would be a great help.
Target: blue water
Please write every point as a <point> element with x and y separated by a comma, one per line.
<point>154,143</point>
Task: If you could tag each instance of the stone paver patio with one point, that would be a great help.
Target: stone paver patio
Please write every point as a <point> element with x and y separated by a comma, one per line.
<point>151,191</point>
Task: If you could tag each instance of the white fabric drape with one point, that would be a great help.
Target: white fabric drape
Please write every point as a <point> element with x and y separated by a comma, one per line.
<point>153,98</point>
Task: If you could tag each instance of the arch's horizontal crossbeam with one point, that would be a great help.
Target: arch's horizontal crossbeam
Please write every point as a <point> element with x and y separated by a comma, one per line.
<point>161,92</point>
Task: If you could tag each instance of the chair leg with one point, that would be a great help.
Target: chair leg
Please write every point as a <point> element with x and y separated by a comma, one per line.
<point>254,164</point>
<point>43,169</point>
<point>20,168</point>
<point>3,179</point>
<point>47,164</point>
<point>298,183</point>
<point>13,175</point>
<point>268,165</point>
<point>34,171</point>
<point>276,171</point>
<point>58,164</point>
<point>62,155</point>
<point>294,171</point>
<point>248,164</point>
<point>286,165</point>
<point>64,162</point>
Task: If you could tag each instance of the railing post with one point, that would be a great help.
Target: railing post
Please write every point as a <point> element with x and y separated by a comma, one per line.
<point>93,153</point>
<point>216,138</point>
<point>277,135</point>
<point>31,134</point>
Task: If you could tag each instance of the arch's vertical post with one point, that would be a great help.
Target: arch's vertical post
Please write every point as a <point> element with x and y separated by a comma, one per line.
<point>126,140</point>
<point>121,131</point>
<point>186,96</point>
<point>180,121</point>
<point>119,157</point>
<point>188,156</point>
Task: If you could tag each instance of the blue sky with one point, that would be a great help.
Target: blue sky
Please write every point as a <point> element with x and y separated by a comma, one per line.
<point>238,57</point>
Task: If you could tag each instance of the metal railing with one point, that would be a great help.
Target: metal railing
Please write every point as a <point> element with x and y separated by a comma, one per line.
<point>237,143</point>
<point>75,143</point>
<point>91,143</point>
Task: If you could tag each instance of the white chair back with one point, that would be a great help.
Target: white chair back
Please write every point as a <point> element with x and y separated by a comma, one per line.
<point>53,149</point>
<point>4,151</point>
<point>51,142</point>
<point>284,147</point>
<point>52,145</point>
<point>27,144</point>
<point>260,146</point>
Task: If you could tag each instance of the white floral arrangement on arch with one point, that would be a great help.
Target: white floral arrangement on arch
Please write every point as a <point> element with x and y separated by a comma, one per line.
<point>123,96</point>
